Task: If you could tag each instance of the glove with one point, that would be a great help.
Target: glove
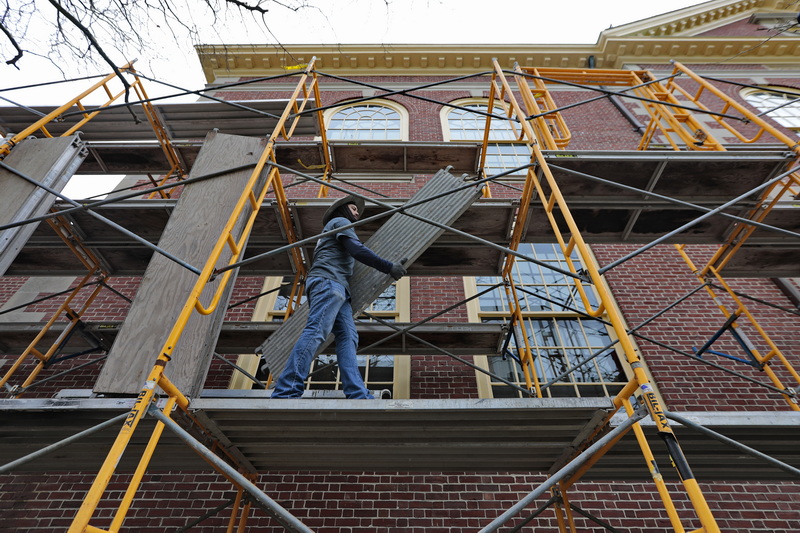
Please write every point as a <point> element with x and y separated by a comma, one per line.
<point>397,271</point>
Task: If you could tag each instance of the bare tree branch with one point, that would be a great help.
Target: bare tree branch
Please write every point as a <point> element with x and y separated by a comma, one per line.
<point>242,5</point>
<point>87,29</point>
<point>12,61</point>
<point>96,45</point>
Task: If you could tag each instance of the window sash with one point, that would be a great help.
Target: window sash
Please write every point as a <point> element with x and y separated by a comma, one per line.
<point>365,122</point>
<point>503,154</point>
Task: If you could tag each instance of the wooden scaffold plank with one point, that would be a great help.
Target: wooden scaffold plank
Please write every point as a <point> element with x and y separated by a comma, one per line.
<point>193,228</point>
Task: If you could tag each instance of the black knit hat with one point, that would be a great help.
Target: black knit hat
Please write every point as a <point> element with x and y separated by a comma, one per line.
<point>331,212</point>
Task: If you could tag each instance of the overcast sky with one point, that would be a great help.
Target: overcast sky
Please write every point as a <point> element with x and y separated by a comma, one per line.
<point>350,22</point>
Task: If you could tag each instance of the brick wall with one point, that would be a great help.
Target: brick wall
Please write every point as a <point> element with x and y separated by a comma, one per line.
<point>651,281</point>
<point>354,502</point>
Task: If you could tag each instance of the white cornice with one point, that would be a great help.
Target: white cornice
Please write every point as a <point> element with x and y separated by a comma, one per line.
<point>694,19</point>
<point>659,39</point>
<point>454,60</point>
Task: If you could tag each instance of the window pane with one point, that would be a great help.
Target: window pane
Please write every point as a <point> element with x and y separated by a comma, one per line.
<point>562,343</point>
<point>469,123</point>
<point>783,108</point>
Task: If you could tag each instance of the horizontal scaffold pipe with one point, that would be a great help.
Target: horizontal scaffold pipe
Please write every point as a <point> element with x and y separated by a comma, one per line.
<point>24,107</point>
<point>607,94</point>
<point>103,219</point>
<point>759,300</point>
<point>405,92</point>
<point>70,370</point>
<point>346,182</point>
<point>786,392</point>
<point>542,508</point>
<point>119,198</point>
<point>45,298</point>
<point>605,348</point>
<point>48,83</point>
<point>189,91</point>
<point>402,208</point>
<point>633,331</point>
<point>247,374</point>
<point>8,467</point>
<point>399,331</point>
<point>473,366</point>
<point>708,211</point>
<point>622,95</point>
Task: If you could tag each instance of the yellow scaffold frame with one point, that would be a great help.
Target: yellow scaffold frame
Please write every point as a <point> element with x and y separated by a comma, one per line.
<point>674,125</point>
<point>551,198</point>
<point>175,398</point>
<point>63,228</point>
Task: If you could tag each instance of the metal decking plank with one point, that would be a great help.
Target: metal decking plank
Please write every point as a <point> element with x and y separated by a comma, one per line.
<point>49,161</point>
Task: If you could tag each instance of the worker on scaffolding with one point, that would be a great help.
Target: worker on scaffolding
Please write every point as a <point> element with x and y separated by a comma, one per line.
<point>328,291</point>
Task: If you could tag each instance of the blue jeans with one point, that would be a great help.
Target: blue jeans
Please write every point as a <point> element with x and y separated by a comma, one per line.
<point>329,311</point>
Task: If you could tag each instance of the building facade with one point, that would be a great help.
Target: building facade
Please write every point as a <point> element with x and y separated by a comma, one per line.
<point>709,117</point>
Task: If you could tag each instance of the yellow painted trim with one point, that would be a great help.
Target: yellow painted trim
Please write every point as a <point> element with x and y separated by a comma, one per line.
<point>674,35</point>
<point>402,377</point>
<point>473,306</point>
<point>403,299</point>
<point>265,304</point>
<point>249,363</point>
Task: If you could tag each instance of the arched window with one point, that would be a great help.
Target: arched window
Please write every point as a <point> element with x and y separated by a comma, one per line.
<point>467,122</point>
<point>779,103</point>
<point>375,120</point>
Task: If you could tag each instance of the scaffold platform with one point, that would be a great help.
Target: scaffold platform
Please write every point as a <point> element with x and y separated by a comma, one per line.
<point>605,213</point>
<point>334,435</point>
<point>461,338</point>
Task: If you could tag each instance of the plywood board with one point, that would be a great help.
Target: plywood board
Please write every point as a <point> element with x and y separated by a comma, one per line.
<point>190,234</point>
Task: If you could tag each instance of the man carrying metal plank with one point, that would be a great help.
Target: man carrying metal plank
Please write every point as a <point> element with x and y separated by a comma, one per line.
<point>328,290</point>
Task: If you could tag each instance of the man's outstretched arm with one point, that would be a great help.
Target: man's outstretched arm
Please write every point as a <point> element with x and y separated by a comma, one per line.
<point>362,254</point>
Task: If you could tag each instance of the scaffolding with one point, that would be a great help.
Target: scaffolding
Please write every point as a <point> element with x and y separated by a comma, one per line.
<point>524,98</point>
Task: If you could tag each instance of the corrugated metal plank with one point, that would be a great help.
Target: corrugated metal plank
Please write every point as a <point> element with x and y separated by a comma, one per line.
<point>51,162</point>
<point>379,435</point>
<point>402,236</point>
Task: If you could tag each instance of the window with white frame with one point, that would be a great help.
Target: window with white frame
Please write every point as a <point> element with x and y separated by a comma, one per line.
<point>467,122</point>
<point>572,353</point>
<point>380,372</point>
<point>779,103</point>
<point>376,120</point>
